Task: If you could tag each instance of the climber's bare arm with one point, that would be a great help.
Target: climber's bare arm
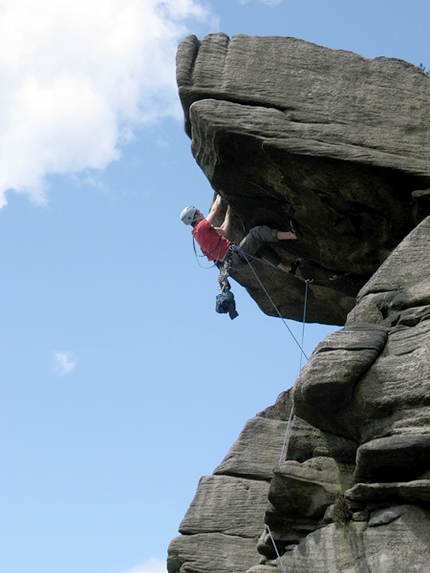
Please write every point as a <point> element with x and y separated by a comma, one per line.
<point>215,209</point>
<point>224,230</point>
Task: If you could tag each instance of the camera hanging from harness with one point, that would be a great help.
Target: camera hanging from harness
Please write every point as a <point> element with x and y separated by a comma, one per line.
<point>225,302</point>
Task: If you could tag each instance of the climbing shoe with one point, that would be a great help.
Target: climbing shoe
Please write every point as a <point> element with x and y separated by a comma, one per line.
<point>297,264</point>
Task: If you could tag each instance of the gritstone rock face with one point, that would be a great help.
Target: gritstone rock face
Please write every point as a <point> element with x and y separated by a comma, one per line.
<point>284,129</point>
<point>341,145</point>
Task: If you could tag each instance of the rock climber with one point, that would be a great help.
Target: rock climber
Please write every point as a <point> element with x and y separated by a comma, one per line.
<point>216,247</point>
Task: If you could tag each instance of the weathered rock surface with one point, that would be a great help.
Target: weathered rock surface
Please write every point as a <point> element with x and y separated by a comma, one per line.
<point>228,505</point>
<point>216,553</point>
<point>417,491</point>
<point>283,130</point>
<point>387,405</point>
<point>256,451</point>
<point>226,517</point>
<point>329,378</point>
<point>300,494</point>
<point>368,383</point>
<point>344,485</point>
<point>394,539</point>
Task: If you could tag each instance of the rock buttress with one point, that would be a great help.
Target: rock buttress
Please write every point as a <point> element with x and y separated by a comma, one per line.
<point>287,130</point>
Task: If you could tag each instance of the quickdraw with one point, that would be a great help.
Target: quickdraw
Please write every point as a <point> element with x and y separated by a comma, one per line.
<point>224,273</point>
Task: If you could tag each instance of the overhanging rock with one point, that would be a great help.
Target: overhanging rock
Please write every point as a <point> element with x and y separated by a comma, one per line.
<point>287,130</point>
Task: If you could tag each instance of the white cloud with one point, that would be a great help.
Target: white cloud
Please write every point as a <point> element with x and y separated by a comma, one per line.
<point>65,363</point>
<point>77,76</point>
<point>151,566</point>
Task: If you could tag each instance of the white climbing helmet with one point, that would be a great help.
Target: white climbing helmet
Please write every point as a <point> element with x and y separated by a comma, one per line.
<point>187,214</point>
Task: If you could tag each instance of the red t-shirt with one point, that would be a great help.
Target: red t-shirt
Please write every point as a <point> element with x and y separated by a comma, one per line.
<point>212,244</point>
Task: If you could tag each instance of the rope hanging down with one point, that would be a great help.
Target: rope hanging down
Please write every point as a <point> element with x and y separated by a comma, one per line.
<point>290,417</point>
<point>223,283</point>
<point>300,345</point>
<point>276,550</point>
<point>224,278</point>
<point>305,305</point>
<point>248,257</point>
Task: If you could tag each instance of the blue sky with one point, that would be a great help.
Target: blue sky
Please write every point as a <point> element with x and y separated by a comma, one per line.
<point>120,385</point>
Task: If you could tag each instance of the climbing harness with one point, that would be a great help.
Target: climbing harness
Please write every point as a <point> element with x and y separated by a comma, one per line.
<point>224,273</point>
